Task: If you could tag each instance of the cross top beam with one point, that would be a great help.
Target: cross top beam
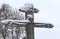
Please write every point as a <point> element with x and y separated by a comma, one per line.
<point>29,11</point>
<point>28,8</point>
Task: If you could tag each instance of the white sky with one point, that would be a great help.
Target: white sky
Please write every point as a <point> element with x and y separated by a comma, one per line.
<point>49,12</point>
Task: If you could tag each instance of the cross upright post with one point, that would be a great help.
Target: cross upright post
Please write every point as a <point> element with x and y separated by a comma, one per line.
<point>30,17</point>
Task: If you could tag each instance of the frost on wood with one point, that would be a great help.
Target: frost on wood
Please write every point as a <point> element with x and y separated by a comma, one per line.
<point>8,21</point>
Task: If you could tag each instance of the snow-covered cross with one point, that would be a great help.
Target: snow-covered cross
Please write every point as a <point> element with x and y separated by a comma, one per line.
<point>29,14</point>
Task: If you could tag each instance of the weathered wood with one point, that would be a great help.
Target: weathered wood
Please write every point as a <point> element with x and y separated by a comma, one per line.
<point>30,26</point>
<point>43,25</point>
<point>30,31</point>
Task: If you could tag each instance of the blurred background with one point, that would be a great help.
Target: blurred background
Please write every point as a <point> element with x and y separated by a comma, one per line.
<point>49,12</point>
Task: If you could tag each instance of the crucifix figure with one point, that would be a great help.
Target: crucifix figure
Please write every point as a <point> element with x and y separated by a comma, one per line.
<point>29,14</point>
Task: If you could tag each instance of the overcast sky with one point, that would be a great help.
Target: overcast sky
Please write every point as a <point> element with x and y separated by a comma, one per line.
<point>49,12</point>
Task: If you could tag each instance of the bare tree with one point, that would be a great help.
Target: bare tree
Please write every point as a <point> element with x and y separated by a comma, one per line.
<point>7,12</point>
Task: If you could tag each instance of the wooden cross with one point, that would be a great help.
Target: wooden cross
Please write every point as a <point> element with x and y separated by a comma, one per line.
<point>29,14</point>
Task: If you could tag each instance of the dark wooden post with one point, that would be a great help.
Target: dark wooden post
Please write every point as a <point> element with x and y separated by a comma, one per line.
<point>30,28</point>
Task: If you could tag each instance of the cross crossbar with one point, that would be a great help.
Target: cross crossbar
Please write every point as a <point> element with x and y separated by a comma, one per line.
<point>25,22</point>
